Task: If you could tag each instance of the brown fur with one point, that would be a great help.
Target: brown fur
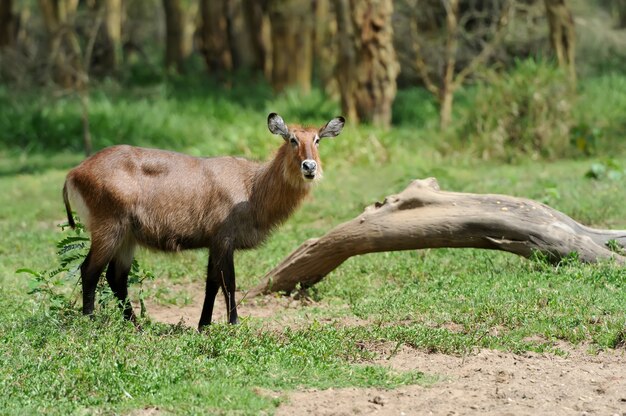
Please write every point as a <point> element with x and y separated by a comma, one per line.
<point>171,201</point>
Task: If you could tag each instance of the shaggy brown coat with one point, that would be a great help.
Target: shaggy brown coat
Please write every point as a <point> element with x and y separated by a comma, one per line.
<point>128,196</point>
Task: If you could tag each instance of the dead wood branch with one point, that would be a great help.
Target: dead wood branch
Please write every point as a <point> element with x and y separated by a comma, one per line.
<point>423,216</point>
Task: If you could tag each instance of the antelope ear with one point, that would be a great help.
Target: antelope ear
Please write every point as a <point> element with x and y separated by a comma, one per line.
<point>332,128</point>
<point>277,125</point>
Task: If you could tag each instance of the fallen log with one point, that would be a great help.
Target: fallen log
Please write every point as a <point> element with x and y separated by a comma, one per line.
<point>423,216</point>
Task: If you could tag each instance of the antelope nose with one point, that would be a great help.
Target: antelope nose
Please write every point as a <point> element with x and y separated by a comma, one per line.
<point>309,166</point>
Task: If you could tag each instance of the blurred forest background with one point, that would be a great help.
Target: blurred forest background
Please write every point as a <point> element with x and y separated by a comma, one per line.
<point>504,77</point>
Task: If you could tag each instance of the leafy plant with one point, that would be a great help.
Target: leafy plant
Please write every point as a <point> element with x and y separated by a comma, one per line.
<point>524,112</point>
<point>609,169</point>
<point>615,247</point>
<point>138,274</point>
<point>585,138</point>
<point>52,286</point>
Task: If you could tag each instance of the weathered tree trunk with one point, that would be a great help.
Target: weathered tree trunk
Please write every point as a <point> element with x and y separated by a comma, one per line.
<point>7,23</point>
<point>214,38</point>
<point>292,44</point>
<point>368,66</point>
<point>422,216</point>
<point>174,32</point>
<point>562,35</point>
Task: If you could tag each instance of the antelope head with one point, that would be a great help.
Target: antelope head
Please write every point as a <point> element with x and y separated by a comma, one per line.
<point>302,156</point>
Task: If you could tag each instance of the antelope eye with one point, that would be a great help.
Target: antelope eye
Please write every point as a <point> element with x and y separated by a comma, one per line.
<point>317,142</point>
<point>294,141</point>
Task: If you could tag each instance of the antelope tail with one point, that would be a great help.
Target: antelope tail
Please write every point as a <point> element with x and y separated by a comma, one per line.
<point>68,208</point>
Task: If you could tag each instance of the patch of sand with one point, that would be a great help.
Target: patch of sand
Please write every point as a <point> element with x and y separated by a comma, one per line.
<point>486,383</point>
<point>275,311</point>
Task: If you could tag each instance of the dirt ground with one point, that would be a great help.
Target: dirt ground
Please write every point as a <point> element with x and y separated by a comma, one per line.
<point>486,382</point>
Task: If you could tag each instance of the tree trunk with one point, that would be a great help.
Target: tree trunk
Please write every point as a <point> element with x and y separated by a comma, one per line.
<point>451,78</point>
<point>422,216</point>
<point>258,32</point>
<point>174,32</point>
<point>346,61</point>
<point>113,32</point>
<point>215,46</point>
<point>445,106</point>
<point>447,87</point>
<point>371,66</point>
<point>64,57</point>
<point>620,13</point>
<point>191,25</point>
<point>237,41</point>
<point>292,44</point>
<point>7,23</point>
<point>562,35</point>
<point>324,45</point>
<point>106,54</point>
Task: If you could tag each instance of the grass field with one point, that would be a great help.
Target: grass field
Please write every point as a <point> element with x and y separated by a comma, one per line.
<point>54,361</point>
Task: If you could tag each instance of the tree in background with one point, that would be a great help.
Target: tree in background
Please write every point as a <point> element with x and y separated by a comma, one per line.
<point>619,10</point>
<point>256,20</point>
<point>367,66</point>
<point>174,35</point>
<point>107,55</point>
<point>324,45</point>
<point>562,35</point>
<point>213,36</point>
<point>469,22</point>
<point>354,49</point>
<point>7,23</point>
<point>63,45</point>
<point>292,24</point>
<point>69,62</point>
<point>234,35</point>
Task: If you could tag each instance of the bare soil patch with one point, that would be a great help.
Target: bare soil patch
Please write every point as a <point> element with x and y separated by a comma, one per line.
<point>484,383</point>
<point>275,311</point>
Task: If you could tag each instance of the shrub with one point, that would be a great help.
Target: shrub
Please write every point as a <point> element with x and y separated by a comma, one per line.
<point>55,288</point>
<point>600,111</point>
<point>415,107</point>
<point>526,111</point>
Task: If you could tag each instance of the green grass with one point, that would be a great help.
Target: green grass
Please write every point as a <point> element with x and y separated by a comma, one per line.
<point>70,364</point>
<point>452,301</point>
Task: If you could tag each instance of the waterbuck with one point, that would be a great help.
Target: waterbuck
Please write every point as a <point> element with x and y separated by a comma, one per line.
<point>170,201</point>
